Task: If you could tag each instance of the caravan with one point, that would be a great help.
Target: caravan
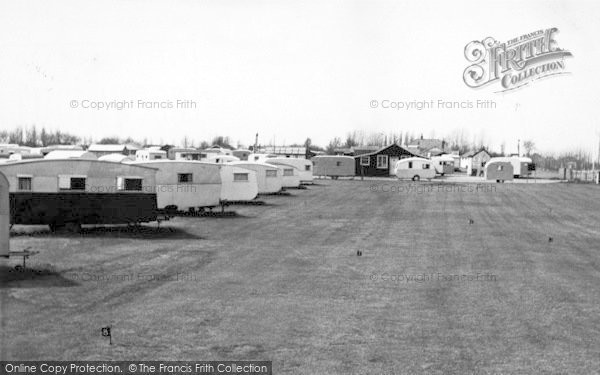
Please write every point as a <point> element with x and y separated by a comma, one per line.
<point>70,154</point>
<point>333,166</point>
<point>499,169</point>
<point>185,185</point>
<point>153,153</point>
<point>303,166</point>
<point>289,176</point>
<point>268,176</point>
<point>71,192</point>
<point>443,164</point>
<point>414,168</point>
<point>237,184</point>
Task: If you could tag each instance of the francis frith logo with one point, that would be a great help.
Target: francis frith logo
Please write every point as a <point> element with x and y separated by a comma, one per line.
<point>514,63</point>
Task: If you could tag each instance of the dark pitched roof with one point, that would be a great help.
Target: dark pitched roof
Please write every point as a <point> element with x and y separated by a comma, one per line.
<point>380,150</point>
<point>470,154</point>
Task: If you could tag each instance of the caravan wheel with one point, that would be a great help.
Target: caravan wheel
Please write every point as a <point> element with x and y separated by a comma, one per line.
<point>416,178</point>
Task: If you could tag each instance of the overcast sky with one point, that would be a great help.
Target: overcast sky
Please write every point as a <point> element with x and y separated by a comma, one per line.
<point>289,69</point>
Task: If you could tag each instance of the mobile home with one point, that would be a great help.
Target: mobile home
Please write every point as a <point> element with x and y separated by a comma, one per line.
<point>268,176</point>
<point>185,185</point>
<point>237,184</point>
<point>499,169</point>
<point>415,169</point>
<point>71,192</point>
<point>304,167</point>
<point>443,164</point>
<point>333,166</point>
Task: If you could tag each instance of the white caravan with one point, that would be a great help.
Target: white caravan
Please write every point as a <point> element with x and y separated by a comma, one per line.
<point>268,176</point>
<point>185,185</point>
<point>237,184</point>
<point>415,169</point>
<point>304,167</point>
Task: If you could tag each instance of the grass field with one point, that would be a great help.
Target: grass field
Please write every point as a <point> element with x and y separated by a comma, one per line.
<point>282,282</point>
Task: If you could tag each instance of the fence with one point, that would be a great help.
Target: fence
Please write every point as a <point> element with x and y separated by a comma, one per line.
<point>579,175</point>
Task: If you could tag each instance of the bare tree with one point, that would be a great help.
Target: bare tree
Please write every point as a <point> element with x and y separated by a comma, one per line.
<point>351,140</point>
<point>529,146</point>
<point>333,144</point>
<point>31,137</point>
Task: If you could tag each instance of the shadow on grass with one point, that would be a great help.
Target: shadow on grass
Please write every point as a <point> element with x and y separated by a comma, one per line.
<point>300,187</point>
<point>19,277</point>
<point>246,203</point>
<point>145,232</point>
<point>225,215</point>
<point>279,193</point>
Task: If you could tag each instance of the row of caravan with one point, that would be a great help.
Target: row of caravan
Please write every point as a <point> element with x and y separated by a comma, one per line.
<point>499,169</point>
<point>59,192</point>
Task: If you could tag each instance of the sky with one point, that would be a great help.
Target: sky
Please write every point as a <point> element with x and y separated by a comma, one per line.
<point>289,70</point>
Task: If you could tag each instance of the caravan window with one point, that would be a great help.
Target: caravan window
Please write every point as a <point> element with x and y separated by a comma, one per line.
<point>129,184</point>
<point>307,167</point>
<point>25,183</point>
<point>240,177</point>
<point>382,161</point>
<point>338,163</point>
<point>183,178</point>
<point>77,183</point>
<point>426,165</point>
<point>500,167</point>
<point>271,173</point>
<point>410,165</point>
<point>71,182</point>
<point>288,172</point>
<point>364,160</point>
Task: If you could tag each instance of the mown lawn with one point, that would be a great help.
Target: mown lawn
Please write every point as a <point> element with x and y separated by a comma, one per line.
<point>282,282</point>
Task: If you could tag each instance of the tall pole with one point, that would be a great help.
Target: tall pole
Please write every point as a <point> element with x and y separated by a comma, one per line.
<point>255,143</point>
<point>518,147</point>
